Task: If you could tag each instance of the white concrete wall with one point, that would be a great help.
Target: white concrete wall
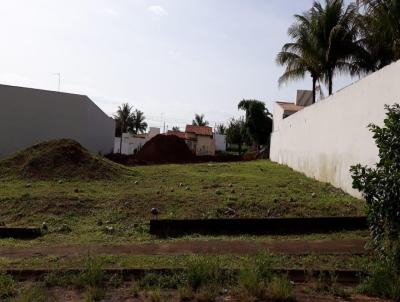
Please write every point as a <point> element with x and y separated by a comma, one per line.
<point>325,139</point>
<point>220,142</point>
<point>30,116</point>
<point>130,143</point>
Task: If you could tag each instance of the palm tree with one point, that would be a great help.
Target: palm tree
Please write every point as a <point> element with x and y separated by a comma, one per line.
<point>324,43</point>
<point>335,30</point>
<point>124,121</point>
<point>301,56</point>
<point>380,31</point>
<point>199,120</point>
<point>138,122</point>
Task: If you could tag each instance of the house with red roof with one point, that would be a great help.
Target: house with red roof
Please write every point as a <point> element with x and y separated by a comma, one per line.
<point>199,139</point>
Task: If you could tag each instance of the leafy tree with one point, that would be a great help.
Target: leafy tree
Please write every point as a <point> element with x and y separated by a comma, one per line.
<point>380,186</point>
<point>380,31</point>
<point>236,133</point>
<point>258,121</point>
<point>124,121</point>
<point>221,129</point>
<point>199,120</point>
<point>176,128</point>
<point>138,122</point>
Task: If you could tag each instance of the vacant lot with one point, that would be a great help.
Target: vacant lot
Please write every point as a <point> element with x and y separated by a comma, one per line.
<point>118,209</point>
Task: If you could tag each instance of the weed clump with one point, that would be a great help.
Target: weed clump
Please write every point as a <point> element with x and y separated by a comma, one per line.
<point>7,286</point>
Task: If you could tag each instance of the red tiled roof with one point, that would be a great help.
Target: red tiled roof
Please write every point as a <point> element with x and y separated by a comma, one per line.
<point>177,133</point>
<point>199,130</point>
<point>290,106</point>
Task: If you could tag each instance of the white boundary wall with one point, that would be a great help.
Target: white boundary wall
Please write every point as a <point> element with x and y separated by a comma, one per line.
<point>325,139</point>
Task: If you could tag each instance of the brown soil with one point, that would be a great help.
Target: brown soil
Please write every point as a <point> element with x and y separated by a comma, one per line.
<point>59,159</point>
<point>165,149</point>
<point>124,293</point>
<point>211,247</point>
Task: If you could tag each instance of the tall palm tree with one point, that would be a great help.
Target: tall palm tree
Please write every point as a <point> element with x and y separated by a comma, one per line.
<point>199,120</point>
<point>324,43</point>
<point>335,29</point>
<point>302,55</point>
<point>124,121</point>
<point>380,31</point>
<point>138,122</point>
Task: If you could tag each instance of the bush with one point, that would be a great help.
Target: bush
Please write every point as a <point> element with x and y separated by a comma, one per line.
<point>384,281</point>
<point>380,186</point>
<point>7,286</point>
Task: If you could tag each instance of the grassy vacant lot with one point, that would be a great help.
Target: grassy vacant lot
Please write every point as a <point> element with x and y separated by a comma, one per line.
<point>80,211</point>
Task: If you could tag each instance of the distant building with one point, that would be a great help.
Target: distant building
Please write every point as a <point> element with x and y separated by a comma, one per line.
<point>282,109</point>
<point>201,139</point>
<point>132,143</point>
<point>30,116</point>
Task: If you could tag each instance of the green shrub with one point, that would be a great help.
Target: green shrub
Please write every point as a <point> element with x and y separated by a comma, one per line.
<point>384,281</point>
<point>380,186</point>
<point>7,286</point>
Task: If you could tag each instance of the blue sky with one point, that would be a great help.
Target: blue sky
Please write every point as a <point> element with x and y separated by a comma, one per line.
<point>168,58</point>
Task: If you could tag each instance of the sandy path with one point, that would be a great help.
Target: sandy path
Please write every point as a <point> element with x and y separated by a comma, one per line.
<point>237,247</point>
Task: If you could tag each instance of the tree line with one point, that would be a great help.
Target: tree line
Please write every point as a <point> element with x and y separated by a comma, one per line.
<point>334,38</point>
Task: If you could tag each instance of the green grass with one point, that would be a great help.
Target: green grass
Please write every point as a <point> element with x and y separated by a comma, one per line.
<point>328,262</point>
<point>261,189</point>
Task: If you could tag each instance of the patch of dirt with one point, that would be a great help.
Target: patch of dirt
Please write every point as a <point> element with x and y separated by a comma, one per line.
<point>165,149</point>
<point>124,293</point>
<point>59,159</point>
<point>211,247</point>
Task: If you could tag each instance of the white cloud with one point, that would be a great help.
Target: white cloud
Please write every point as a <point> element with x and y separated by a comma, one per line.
<point>157,10</point>
<point>111,12</point>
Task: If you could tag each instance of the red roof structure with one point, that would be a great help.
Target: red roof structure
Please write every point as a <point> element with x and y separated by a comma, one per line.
<point>177,133</point>
<point>199,130</point>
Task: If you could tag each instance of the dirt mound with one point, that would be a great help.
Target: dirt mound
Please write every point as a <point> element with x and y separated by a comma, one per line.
<point>59,159</point>
<point>165,149</point>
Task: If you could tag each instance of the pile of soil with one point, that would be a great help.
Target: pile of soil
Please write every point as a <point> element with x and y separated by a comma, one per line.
<point>60,159</point>
<point>165,149</point>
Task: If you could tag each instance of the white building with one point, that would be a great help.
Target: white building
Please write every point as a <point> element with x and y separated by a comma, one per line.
<point>132,143</point>
<point>220,142</point>
<point>29,116</point>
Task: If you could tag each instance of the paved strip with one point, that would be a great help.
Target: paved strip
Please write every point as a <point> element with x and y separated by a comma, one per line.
<point>210,247</point>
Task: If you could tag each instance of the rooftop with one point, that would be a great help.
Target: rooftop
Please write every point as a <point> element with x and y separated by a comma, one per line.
<point>199,130</point>
<point>290,106</point>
